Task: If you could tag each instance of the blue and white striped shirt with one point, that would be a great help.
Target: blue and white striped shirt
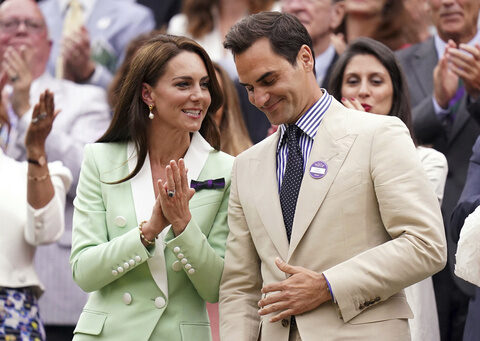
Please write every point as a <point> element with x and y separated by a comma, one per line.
<point>308,124</point>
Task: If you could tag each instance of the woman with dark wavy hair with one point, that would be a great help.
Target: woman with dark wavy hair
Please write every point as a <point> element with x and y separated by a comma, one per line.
<point>150,221</point>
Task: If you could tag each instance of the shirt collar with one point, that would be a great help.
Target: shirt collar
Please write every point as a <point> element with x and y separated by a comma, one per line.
<point>322,63</point>
<point>87,6</point>
<point>310,121</point>
<point>440,44</point>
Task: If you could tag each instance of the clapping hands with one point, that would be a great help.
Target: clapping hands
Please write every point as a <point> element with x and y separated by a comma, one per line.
<point>41,124</point>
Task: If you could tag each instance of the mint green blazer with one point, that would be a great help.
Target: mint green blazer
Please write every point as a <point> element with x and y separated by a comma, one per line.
<point>138,293</point>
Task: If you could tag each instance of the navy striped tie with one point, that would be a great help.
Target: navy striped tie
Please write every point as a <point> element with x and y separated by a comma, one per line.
<point>292,178</point>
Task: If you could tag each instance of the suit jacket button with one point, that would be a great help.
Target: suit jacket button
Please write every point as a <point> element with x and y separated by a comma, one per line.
<point>138,259</point>
<point>120,221</point>
<point>127,298</point>
<point>176,266</point>
<point>377,299</point>
<point>176,249</point>
<point>159,302</point>
<point>131,262</point>
<point>285,323</point>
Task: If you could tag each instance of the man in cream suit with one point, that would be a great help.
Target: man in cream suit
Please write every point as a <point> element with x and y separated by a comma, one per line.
<point>331,216</point>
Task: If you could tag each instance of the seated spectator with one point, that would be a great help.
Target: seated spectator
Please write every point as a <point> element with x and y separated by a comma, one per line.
<point>24,53</point>
<point>207,21</point>
<point>367,77</point>
<point>32,205</point>
<point>89,37</point>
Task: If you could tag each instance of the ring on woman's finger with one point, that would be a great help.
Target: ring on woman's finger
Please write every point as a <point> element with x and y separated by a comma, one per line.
<point>40,117</point>
<point>171,193</point>
<point>14,78</point>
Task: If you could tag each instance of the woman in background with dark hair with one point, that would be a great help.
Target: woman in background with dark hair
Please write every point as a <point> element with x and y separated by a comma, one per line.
<point>368,77</point>
<point>148,238</point>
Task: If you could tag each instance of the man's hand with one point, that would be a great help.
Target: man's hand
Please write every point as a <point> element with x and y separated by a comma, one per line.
<point>17,64</point>
<point>78,66</point>
<point>464,61</point>
<point>303,291</point>
<point>445,81</point>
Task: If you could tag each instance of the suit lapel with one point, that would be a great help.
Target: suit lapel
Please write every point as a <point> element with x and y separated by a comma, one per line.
<point>268,201</point>
<point>196,156</point>
<point>331,146</point>
<point>426,60</point>
<point>326,80</point>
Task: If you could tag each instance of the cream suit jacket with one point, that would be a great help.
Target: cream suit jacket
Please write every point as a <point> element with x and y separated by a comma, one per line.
<point>372,226</point>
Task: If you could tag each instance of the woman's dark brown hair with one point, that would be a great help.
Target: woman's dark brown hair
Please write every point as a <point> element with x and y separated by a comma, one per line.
<point>233,133</point>
<point>367,46</point>
<point>130,119</point>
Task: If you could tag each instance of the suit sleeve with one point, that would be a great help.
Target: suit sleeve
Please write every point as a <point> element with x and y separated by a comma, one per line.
<point>204,253</point>
<point>411,217</point>
<point>96,260</point>
<point>426,124</point>
<point>470,198</point>
<point>241,281</point>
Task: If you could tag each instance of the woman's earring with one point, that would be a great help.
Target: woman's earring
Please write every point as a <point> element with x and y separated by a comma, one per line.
<point>150,115</point>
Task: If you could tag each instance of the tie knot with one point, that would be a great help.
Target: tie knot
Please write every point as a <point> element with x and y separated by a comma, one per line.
<point>292,132</point>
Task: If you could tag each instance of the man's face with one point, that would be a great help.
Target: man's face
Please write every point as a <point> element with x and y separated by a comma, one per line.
<point>275,86</point>
<point>315,15</point>
<point>455,19</point>
<point>22,24</point>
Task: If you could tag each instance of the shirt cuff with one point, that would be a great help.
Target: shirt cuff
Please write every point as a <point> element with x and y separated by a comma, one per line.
<point>330,289</point>
<point>439,111</point>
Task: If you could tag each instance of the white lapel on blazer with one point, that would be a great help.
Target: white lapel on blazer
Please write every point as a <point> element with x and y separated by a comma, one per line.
<point>144,199</point>
<point>196,156</point>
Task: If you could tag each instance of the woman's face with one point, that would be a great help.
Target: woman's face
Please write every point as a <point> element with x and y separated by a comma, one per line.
<point>181,96</point>
<point>369,82</point>
<point>364,7</point>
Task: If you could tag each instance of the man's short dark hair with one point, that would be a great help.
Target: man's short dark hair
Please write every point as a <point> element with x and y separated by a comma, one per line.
<point>284,31</point>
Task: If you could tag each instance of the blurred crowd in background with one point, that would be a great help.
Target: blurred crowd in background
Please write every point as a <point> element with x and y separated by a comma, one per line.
<point>80,51</point>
